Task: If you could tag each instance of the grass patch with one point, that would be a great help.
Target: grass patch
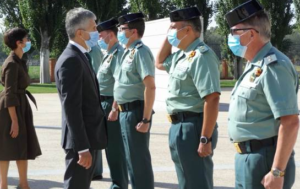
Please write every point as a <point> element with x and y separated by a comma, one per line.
<point>227,83</point>
<point>40,88</point>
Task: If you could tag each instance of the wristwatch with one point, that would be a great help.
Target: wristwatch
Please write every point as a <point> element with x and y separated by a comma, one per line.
<point>205,140</point>
<point>277,173</point>
<point>145,120</point>
<point>113,109</point>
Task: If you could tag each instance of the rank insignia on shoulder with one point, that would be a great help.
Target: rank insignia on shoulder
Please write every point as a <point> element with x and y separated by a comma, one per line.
<point>132,54</point>
<point>191,55</point>
<point>203,49</point>
<point>270,59</point>
<point>139,45</point>
<point>255,74</point>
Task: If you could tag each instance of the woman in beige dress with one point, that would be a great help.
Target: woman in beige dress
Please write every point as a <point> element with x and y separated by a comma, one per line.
<point>18,139</point>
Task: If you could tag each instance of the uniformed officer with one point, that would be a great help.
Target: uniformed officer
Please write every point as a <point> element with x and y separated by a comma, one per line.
<point>135,93</point>
<point>193,99</point>
<point>96,57</point>
<point>106,76</point>
<point>263,113</point>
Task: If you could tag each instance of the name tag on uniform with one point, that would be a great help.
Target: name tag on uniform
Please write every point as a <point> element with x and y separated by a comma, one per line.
<point>181,67</point>
<point>248,84</point>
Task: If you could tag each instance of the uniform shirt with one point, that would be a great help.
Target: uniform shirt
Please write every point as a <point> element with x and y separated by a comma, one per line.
<point>96,57</point>
<point>193,74</point>
<point>266,91</point>
<point>137,63</point>
<point>108,70</point>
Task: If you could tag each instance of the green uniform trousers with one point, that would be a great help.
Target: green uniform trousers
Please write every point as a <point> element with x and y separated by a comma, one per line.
<point>115,153</point>
<point>251,168</point>
<point>137,149</point>
<point>193,171</point>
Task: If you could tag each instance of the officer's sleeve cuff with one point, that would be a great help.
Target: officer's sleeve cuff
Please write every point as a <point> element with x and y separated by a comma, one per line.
<point>280,112</point>
<point>206,92</point>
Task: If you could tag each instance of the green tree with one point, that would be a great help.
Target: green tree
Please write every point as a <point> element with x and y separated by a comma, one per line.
<point>43,19</point>
<point>297,7</point>
<point>104,9</point>
<point>205,7</point>
<point>10,9</point>
<point>151,8</point>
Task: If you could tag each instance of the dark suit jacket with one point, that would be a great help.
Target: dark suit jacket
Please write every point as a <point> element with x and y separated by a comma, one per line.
<point>83,119</point>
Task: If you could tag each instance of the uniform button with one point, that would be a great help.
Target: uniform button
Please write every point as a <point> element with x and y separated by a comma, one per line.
<point>243,93</point>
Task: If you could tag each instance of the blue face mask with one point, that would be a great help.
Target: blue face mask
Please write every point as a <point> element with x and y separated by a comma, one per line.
<point>234,43</point>
<point>122,38</point>
<point>94,37</point>
<point>27,47</point>
<point>102,44</point>
<point>172,37</point>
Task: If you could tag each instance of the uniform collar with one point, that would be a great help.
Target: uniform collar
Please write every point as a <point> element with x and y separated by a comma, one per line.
<point>193,45</point>
<point>113,48</point>
<point>261,54</point>
<point>132,46</point>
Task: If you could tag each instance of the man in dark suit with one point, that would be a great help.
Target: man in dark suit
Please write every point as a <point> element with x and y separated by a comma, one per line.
<point>83,119</point>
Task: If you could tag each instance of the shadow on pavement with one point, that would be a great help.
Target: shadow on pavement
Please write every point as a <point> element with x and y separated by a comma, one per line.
<point>223,107</point>
<point>36,184</point>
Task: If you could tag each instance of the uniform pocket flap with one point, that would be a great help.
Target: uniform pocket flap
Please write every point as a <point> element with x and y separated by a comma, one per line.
<point>247,93</point>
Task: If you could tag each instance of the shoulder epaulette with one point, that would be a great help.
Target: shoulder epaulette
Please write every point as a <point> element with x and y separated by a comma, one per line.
<point>203,48</point>
<point>138,45</point>
<point>270,59</point>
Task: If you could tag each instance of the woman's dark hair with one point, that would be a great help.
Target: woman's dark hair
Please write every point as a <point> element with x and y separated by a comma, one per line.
<point>13,35</point>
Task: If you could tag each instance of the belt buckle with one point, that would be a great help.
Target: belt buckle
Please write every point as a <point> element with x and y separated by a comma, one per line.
<point>169,118</point>
<point>120,108</point>
<point>237,147</point>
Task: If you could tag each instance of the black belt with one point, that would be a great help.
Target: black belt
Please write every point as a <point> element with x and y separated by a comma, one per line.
<point>103,98</point>
<point>30,96</point>
<point>182,116</point>
<point>130,105</point>
<point>254,145</point>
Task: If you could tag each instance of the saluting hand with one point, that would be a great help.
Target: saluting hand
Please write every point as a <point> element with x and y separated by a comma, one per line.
<point>271,182</point>
<point>14,130</point>
<point>85,159</point>
<point>142,127</point>
<point>204,149</point>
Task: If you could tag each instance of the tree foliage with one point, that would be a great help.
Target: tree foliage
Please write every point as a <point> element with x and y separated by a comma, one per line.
<point>151,8</point>
<point>104,9</point>
<point>297,10</point>
<point>10,9</point>
<point>205,7</point>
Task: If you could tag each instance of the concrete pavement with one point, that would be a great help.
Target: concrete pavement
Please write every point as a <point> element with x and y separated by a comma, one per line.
<point>46,172</point>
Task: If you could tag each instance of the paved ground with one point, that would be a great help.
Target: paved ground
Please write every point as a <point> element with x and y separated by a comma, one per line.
<point>47,171</point>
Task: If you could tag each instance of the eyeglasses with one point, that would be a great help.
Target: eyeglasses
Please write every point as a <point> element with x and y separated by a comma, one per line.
<point>123,28</point>
<point>236,31</point>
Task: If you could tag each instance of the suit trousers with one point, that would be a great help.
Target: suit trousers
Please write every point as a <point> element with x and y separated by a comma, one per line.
<point>77,176</point>
<point>137,149</point>
<point>193,171</point>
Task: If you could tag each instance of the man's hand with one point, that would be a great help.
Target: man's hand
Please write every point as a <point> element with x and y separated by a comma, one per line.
<point>14,130</point>
<point>142,127</point>
<point>85,159</point>
<point>271,182</point>
<point>204,149</point>
<point>113,116</point>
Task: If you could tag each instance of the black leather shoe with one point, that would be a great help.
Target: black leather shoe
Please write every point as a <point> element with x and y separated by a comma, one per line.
<point>98,177</point>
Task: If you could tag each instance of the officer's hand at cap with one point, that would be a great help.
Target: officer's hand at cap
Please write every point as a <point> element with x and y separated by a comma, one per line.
<point>271,182</point>
<point>142,127</point>
<point>204,149</point>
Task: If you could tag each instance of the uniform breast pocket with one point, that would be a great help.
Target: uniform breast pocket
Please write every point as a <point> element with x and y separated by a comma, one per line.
<point>246,103</point>
<point>128,65</point>
<point>104,68</point>
<point>177,78</point>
